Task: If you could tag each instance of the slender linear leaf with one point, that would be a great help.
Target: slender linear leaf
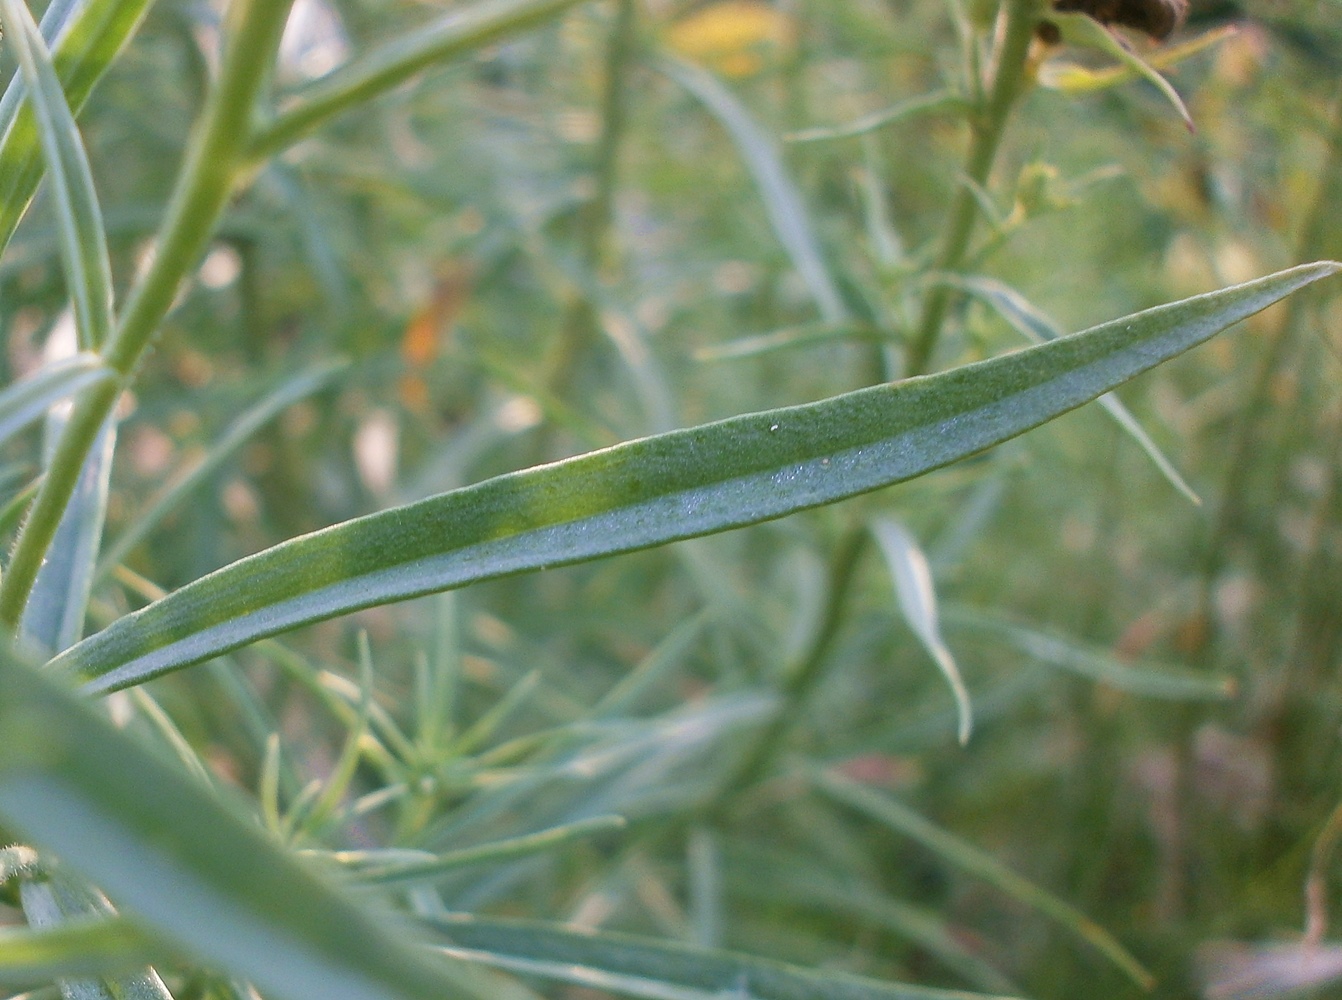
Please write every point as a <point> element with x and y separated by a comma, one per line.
<point>88,271</point>
<point>783,202</point>
<point>305,383</point>
<point>188,863</point>
<point>60,899</point>
<point>899,817</point>
<point>460,32</point>
<point>917,598</point>
<point>1151,680</point>
<point>30,398</point>
<point>30,958</point>
<point>659,489</point>
<point>85,47</point>
<point>434,866</point>
<point>1036,327</point>
<point>53,618</point>
<point>638,966</point>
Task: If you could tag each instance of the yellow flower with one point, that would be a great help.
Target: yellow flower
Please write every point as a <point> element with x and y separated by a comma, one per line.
<point>734,37</point>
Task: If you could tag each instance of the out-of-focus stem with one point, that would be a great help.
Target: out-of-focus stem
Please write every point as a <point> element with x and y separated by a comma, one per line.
<point>988,125</point>
<point>204,185</point>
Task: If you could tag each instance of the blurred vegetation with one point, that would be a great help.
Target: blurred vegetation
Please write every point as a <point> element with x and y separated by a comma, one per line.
<point>554,245</point>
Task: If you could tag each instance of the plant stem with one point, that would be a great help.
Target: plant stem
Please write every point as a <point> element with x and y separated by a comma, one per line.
<point>204,184</point>
<point>988,125</point>
<point>806,672</point>
<point>580,322</point>
<point>1320,239</point>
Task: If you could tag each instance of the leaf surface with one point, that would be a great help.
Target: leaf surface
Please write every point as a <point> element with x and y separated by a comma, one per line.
<point>659,489</point>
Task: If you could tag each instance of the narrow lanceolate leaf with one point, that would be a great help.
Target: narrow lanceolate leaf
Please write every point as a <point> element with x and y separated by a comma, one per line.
<point>88,273</point>
<point>87,43</point>
<point>782,201</point>
<point>1147,679</point>
<point>460,32</point>
<point>188,863</point>
<point>655,490</point>
<point>53,618</point>
<point>917,598</point>
<point>60,900</point>
<point>31,958</point>
<point>892,813</point>
<point>645,967</point>
<point>27,400</point>
<point>1036,327</point>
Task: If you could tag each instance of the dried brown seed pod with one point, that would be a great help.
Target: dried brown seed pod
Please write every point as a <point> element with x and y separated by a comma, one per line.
<point>1155,17</point>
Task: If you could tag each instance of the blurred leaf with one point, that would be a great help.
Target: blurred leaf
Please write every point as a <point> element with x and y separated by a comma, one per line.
<point>53,618</point>
<point>187,862</point>
<point>433,867</point>
<point>782,201</point>
<point>310,380</point>
<point>82,949</point>
<point>82,53</point>
<point>57,900</point>
<point>30,398</point>
<point>935,101</point>
<point>1036,327</point>
<point>1149,680</point>
<point>642,493</point>
<point>1083,31</point>
<point>645,967</point>
<point>917,598</point>
<point>461,31</point>
<point>88,272</point>
<point>1073,79</point>
<point>1232,970</point>
<point>894,814</point>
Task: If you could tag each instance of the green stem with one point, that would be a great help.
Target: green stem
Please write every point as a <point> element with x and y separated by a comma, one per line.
<point>1318,240</point>
<point>805,674</point>
<point>988,126</point>
<point>580,321</point>
<point>614,112</point>
<point>206,181</point>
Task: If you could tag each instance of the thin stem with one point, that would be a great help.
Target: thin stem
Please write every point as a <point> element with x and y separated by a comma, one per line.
<point>614,112</point>
<point>205,182</point>
<point>580,321</point>
<point>1246,451</point>
<point>988,127</point>
<point>805,674</point>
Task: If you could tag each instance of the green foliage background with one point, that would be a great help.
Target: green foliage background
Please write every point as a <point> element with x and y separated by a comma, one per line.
<point>551,244</point>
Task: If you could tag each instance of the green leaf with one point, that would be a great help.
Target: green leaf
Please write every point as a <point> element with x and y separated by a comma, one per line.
<point>1150,680</point>
<point>917,598</point>
<point>433,867</point>
<point>189,863</point>
<point>1036,327</point>
<point>78,949</point>
<point>1084,31</point>
<point>782,200</point>
<point>965,856</point>
<point>305,383</point>
<point>60,899</point>
<point>86,46</point>
<point>646,967</point>
<point>460,32</point>
<point>30,398</point>
<point>659,489</point>
<point>88,272</point>
<point>53,618</point>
